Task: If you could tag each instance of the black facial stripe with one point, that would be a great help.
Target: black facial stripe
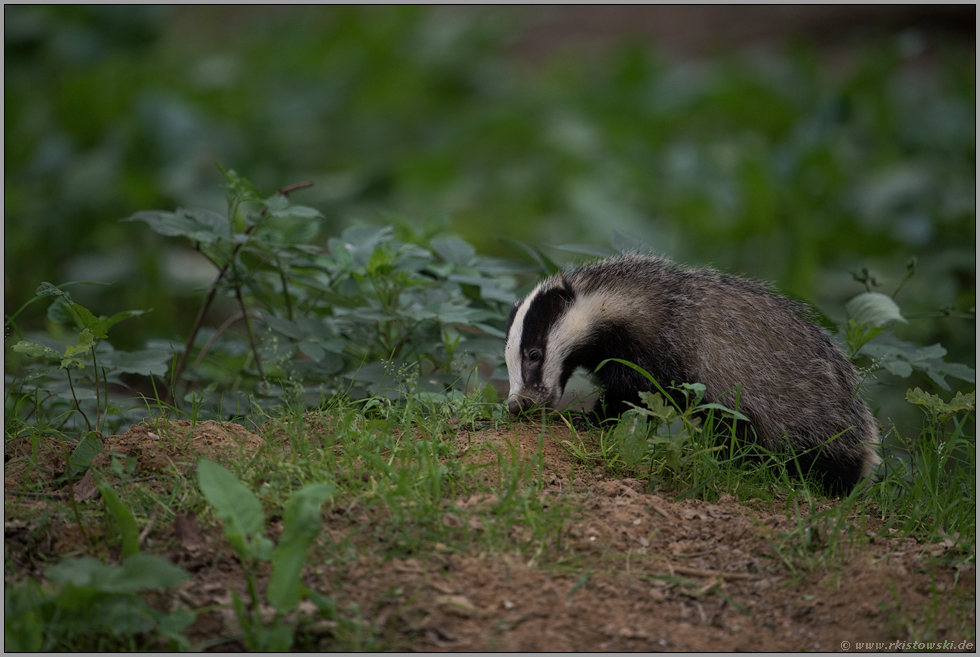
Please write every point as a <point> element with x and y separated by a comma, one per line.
<point>542,314</point>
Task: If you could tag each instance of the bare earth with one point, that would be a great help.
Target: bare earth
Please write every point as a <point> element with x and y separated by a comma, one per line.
<point>636,570</point>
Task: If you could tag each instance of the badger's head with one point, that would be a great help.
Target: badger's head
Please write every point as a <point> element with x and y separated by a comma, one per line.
<point>542,333</point>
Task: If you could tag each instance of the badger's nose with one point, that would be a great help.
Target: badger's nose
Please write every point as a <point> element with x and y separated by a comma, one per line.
<point>517,404</point>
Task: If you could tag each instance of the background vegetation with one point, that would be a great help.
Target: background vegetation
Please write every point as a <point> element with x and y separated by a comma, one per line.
<point>143,278</point>
<point>776,166</point>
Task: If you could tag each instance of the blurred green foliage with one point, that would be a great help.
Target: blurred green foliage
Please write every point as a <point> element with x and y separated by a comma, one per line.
<point>773,166</point>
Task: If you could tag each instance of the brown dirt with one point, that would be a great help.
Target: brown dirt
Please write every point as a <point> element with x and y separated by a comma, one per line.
<point>633,571</point>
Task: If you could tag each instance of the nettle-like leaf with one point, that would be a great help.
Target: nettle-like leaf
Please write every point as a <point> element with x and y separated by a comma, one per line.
<point>902,358</point>
<point>86,340</point>
<point>945,410</point>
<point>875,309</point>
<point>36,350</point>
<point>196,224</point>
<point>49,290</point>
<point>656,407</point>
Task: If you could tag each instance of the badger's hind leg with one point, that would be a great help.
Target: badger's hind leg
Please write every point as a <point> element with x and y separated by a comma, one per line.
<point>837,474</point>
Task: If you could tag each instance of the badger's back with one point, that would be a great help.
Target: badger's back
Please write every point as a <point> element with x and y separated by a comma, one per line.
<point>752,349</point>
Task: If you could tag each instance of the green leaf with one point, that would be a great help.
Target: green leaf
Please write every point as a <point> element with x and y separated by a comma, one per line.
<point>49,290</point>
<point>126,314</point>
<point>96,325</point>
<point>147,362</point>
<point>196,224</point>
<point>60,312</point>
<point>84,453</point>
<point>36,350</point>
<point>875,309</point>
<point>284,326</point>
<point>454,250</point>
<point>86,340</point>
<point>654,402</point>
<point>234,504</point>
<point>302,522</point>
<point>125,522</point>
<point>143,572</point>
<point>138,572</point>
<point>313,350</point>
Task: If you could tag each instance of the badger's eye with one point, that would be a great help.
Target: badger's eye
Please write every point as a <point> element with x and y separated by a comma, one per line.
<point>534,355</point>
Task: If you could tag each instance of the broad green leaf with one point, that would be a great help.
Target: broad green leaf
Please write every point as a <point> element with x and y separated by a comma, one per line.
<point>234,504</point>
<point>125,522</point>
<point>78,571</point>
<point>145,361</point>
<point>302,522</point>
<point>98,326</point>
<point>301,518</point>
<point>454,250</point>
<point>875,309</point>
<point>313,350</point>
<point>36,350</point>
<point>197,224</point>
<point>81,457</point>
<point>286,584</point>
<point>60,312</point>
<point>143,572</point>
<point>138,572</point>
<point>284,326</point>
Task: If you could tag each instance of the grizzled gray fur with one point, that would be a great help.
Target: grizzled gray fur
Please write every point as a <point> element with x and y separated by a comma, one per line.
<point>695,326</point>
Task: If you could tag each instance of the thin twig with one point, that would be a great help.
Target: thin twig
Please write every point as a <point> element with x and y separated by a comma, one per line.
<point>77,405</point>
<point>221,329</point>
<point>149,526</point>
<point>285,290</point>
<point>248,330</point>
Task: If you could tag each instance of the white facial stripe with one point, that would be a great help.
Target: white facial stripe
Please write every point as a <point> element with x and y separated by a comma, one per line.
<point>575,325</point>
<point>512,353</point>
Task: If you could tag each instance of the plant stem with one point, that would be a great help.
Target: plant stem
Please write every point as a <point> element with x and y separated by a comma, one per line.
<point>285,290</point>
<point>77,405</point>
<point>182,362</point>
<point>248,330</point>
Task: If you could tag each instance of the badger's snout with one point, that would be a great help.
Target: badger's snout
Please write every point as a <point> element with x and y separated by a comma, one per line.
<point>518,404</point>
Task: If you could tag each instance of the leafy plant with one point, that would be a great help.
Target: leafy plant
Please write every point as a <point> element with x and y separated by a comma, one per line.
<point>667,431</point>
<point>368,315</point>
<point>88,605</point>
<point>241,513</point>
<point>935,487</point>
<point>871,315</point>
<point>89,347</point>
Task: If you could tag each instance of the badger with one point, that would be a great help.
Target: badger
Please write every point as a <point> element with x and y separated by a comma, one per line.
<point>754,351</point>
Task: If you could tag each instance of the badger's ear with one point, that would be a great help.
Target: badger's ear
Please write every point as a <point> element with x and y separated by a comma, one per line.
<point>565,292</point>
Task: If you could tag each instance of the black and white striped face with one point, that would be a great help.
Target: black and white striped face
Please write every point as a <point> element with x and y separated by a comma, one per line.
<point>545,329</point>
